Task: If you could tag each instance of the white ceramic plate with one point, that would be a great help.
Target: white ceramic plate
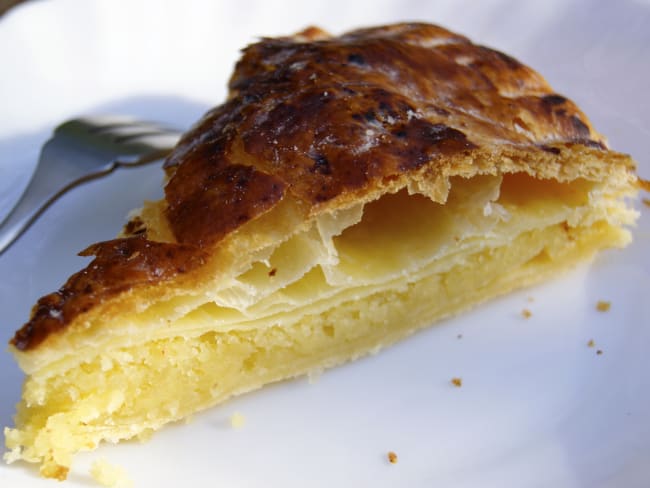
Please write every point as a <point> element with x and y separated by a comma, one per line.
<point>537,407</point>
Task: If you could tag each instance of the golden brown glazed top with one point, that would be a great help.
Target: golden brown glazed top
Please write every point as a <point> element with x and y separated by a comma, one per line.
<point>321,117</point>
<point>325,117</point>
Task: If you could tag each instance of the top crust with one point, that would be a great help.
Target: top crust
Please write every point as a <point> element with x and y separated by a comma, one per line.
<point>325,121</point>
<point>328,117</point>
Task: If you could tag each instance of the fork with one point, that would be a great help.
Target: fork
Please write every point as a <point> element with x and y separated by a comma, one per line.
<point>81,150</point>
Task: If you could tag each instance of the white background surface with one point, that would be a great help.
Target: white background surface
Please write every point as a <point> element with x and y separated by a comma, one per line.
<point>537,407</point>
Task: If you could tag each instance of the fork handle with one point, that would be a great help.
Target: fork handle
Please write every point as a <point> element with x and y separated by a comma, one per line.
<point>42,192</point>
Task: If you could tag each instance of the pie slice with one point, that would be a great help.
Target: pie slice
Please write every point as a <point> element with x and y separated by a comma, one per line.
<point>349,192</point>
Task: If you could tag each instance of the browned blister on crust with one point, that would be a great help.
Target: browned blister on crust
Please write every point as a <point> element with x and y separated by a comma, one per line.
<point>320,119</point>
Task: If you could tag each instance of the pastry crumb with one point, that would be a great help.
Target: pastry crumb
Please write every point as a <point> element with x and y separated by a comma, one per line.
<point>314,375</point>
<point>603,306</point>
<point>107,474</point>
<point>273,271</point>
<point>591,343</point>
<point>457,382</point>
<point>237,420</point>
<point>526,313</point>
<point>646,202</point>
<point>392,457</point>
<point>599,352</point>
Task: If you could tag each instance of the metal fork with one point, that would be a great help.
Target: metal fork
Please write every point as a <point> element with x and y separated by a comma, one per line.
<point>82,150</point>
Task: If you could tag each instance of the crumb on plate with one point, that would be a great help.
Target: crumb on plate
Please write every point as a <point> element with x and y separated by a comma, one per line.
<point>314,375</point>
<point>646,202</point>
<point>591,343</point>
<point>603,306</point>
<point>107,474</point>
<point>392,457</point>
<point>457,382</point>
<point>526,313</point>
<point>237,420</point>
<point>599,352</point>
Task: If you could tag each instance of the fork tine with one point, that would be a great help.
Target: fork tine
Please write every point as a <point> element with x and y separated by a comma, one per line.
<point>128,126</point>
<point>95,123</point>
<point>132,137</point>
<point>101,125</point>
